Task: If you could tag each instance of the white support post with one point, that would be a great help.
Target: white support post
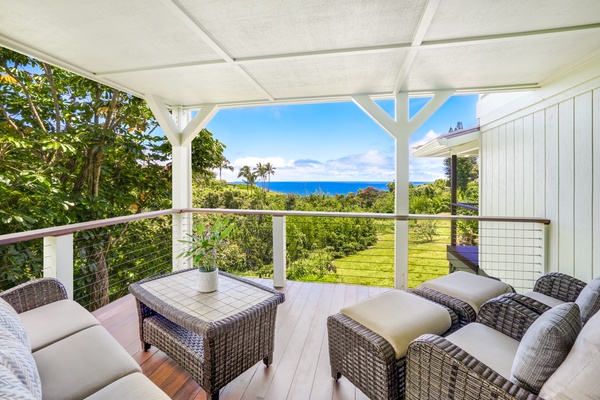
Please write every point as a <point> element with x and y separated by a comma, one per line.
<point>58,260</point>
<point>181,132</point>
<point>401,128</point>
<point>182,192</point>
<point>182,198</point>
<point>279,251</point>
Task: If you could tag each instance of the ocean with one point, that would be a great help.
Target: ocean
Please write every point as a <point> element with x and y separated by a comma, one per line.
<point>332,188</point>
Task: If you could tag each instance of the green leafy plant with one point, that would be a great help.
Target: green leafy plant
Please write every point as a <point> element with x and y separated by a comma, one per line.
<point>205,242</point>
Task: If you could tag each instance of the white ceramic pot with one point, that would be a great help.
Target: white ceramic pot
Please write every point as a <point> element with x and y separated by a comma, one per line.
<point>208,281</point>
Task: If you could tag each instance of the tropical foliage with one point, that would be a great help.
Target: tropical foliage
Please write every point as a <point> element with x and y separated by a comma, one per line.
<point>73,150</point>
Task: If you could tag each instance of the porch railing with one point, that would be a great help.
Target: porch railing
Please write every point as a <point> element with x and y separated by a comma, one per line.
<point>115,252</point>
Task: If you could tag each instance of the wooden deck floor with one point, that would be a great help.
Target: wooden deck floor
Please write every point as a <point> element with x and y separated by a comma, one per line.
<point>300,368</point>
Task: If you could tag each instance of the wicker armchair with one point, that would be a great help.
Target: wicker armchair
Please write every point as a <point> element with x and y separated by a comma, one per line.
<point>438,369</point>
<point>559,286</point>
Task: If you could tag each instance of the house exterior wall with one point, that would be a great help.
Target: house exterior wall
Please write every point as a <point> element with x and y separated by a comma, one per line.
<point>540,157</point>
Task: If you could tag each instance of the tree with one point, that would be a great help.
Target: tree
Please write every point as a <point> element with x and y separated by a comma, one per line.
<point>248,177</point>
<point>467,171</point>
<point>74,150</point>
<point>269,170</point>
<point>225,164</point>
<point>260,171</point>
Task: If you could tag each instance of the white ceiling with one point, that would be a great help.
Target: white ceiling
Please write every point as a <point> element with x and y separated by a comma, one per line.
<point>237,52</point>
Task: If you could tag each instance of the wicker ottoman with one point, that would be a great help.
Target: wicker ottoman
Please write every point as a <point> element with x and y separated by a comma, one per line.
<point>368,340</point>
<point>463,292</point>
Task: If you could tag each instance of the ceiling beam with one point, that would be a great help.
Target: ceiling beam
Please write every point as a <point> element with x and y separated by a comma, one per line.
<point>189,21</point>
<point>344,97</point>
<point>365,50</point>
<point>422,27</point>
<point>57,62</point>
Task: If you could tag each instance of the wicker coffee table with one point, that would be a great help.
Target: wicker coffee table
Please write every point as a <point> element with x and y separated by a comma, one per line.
<point>214,336</point>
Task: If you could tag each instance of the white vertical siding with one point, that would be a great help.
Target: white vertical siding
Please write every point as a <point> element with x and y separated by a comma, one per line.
<point>583,186</point>
<point>539,163</point>
<point>544,164</point>
<point>551,169</point>
<point>596,183</point>
<point>566,186</point>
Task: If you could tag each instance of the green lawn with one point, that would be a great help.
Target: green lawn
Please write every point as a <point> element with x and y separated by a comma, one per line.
<point>375,266</point>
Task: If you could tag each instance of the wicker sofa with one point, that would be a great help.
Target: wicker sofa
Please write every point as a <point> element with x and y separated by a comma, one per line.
<point>52,348</point>
<point>478,361</point>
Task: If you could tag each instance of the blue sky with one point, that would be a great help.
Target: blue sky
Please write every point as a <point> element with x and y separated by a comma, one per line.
<point>330,142</point>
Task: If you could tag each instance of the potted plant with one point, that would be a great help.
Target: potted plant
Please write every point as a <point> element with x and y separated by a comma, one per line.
<point>202,247</point>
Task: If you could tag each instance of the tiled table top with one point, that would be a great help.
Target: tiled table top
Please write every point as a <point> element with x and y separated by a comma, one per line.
<point>179,291</point>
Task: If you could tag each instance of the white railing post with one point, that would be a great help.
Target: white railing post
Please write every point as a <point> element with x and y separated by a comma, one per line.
<point>279,251</point>
<point>58,260</point>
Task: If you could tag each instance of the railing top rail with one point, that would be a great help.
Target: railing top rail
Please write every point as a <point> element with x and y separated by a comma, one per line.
<point>81,226</point>
<point>285,213</point>
<point>399,217</point>
<point>72,228</point>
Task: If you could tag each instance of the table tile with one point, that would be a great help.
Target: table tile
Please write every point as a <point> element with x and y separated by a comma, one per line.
<point>179,291</point>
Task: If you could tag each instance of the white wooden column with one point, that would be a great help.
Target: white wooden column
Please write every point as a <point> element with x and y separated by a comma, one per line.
<point>58,260</point>
<point>181,132</point>
<point>279,251</point>
<point>182,199</point>
<point>401,128</point>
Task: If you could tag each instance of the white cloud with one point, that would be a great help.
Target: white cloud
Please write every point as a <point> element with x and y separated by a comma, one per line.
<point>428,137</point>
<point>373,165</point>
<point>369,166</point>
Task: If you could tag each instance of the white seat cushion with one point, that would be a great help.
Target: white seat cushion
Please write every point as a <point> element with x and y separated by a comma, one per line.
<point>55,321</point>
<point>400,317</point>
<point>577,377</point>
<point>470,288</point>
<point>494,349</point>
<point>131,387</point>
<point>545,299</point>
<point>82,364</point>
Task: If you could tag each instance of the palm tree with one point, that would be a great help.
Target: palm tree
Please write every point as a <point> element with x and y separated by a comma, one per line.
<point>225,164</point>
<point>261,172</point>
<point>269,170</point>
<point>247,176</point>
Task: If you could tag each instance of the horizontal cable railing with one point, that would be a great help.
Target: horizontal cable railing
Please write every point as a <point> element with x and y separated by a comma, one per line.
<point>107,260</point>
<point>352,248</point>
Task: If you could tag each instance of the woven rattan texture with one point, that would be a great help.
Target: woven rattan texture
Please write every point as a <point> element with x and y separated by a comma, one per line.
<point>463,310</point>
<point>437,369</point>
<point>213,352</point>
<point>559,286</point>
<point>35,293</point>
<point>507,315</point>
<point>366,359</point>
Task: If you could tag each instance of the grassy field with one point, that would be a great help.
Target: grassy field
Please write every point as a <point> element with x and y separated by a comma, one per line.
<point>375,266</point>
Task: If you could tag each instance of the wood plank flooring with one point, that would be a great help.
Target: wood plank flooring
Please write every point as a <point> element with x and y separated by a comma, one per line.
<point>300,368</point>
